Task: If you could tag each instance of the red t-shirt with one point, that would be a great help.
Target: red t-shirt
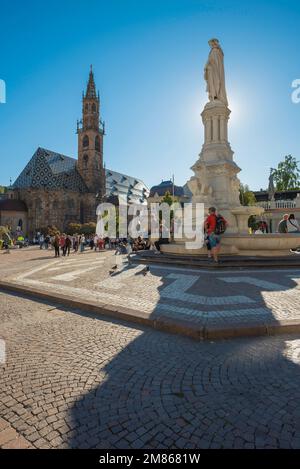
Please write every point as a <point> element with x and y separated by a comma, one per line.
<point>210,223</point>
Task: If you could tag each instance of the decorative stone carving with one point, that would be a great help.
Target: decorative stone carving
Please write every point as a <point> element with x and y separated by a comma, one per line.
<point>271,188</point>
<point>215,181</point>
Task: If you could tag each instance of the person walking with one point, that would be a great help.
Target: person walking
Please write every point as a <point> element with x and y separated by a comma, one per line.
<point>96,242</point>
<point>56,245</point>
<point>82,243</point>
<point>215,225</point>
<point>75,243</point>
<point>41,241</point>
<point>62,243</point>
<point>68,244</point>
<point>47,241</point>
<point>91,242</point>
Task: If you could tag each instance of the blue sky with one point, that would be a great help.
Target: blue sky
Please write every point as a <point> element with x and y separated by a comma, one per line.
<point>148,59</point>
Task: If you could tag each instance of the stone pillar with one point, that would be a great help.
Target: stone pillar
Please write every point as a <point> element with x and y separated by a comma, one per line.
<point>223,129</point>
<point>215,120</point>
<point>206,132</point>
<point>226,129</point>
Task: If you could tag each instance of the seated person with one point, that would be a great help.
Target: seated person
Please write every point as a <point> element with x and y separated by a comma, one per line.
<point>139,244</point>
<point>292,224</point>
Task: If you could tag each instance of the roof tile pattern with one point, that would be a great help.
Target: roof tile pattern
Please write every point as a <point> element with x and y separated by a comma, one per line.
<point>51,170</point>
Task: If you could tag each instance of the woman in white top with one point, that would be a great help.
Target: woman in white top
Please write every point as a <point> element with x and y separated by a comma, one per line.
<point>292,224</point>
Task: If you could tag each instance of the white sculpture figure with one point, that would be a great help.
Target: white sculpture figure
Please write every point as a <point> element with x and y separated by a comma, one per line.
<point>271,188</point>
<point>214,73</point>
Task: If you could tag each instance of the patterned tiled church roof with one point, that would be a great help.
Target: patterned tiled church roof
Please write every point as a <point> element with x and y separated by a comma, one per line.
<point>51,170</point>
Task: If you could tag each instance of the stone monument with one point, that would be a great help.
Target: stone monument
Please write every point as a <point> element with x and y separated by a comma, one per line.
<point>215,182</point>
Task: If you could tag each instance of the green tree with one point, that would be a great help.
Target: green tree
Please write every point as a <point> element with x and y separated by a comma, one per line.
<point>88,228</point>
<point>168,199</point>
<point>4,236</point>
<point>3,231</point>
<point>3,189</point>
<point>246,196</point>
<point>50,230</point>
<point>252,223</point>
<point>73,228</point>
<point>287,174</point>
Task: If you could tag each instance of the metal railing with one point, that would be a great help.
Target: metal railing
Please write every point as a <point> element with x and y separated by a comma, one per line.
<point>267,205</point>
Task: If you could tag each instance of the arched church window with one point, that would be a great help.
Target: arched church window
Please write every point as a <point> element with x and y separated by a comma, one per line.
<point>85,161</point>
<point>85,141</point>
<point>86,107</point>
<point>97,143</point>
<point>94,107</point>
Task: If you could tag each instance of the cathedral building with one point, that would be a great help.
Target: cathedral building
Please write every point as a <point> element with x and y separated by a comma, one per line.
<point>54,189</point>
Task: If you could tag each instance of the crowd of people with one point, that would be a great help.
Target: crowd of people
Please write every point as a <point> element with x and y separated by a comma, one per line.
<point>214,226</point>
<point>63,244</point>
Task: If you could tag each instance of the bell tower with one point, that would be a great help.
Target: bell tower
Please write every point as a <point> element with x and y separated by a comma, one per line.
<point>90,132</point>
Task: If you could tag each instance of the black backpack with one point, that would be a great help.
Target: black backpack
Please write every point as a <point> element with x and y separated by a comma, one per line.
<point>220,225</point>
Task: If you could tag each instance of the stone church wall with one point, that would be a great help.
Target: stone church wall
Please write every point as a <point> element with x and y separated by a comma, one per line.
<point>56,207</point>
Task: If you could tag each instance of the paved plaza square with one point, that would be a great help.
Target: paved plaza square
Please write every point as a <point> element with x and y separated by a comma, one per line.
<point>202,298</point>
<point>74,379</point>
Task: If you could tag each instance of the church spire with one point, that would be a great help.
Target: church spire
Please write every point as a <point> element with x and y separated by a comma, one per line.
<point>91,87</point>
<point>90,132</point>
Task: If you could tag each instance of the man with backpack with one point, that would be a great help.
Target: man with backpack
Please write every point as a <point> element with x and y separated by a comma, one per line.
<point>215,225</point>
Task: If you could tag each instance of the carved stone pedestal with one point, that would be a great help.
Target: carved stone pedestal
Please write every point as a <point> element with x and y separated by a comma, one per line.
<point>215,182</point>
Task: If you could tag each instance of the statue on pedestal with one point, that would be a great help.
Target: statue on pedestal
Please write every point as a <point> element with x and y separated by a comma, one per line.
<point>214,73</point>
<point>271,188</point>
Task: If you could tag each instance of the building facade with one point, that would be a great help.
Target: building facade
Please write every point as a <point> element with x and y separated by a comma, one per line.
<point>181,193</point>
<point>13,214</point>
<point>57,190</point>
<point>284,202</point>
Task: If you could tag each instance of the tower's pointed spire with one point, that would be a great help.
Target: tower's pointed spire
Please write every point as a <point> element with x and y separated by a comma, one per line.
<point>91,87</point>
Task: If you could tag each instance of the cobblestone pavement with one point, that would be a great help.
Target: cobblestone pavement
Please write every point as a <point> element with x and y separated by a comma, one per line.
<point>10,438</point>
<point>203,298</point>
<point>74,380</point>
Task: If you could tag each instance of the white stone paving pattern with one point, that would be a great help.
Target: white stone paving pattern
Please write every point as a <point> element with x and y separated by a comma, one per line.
<point>199,296</point>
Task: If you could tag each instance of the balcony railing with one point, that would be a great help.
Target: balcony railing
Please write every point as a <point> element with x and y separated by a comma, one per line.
<point>100,126</point>
<point>268,205</point>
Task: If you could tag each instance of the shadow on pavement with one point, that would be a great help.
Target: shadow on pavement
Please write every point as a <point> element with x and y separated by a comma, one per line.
<point>166,391</point>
